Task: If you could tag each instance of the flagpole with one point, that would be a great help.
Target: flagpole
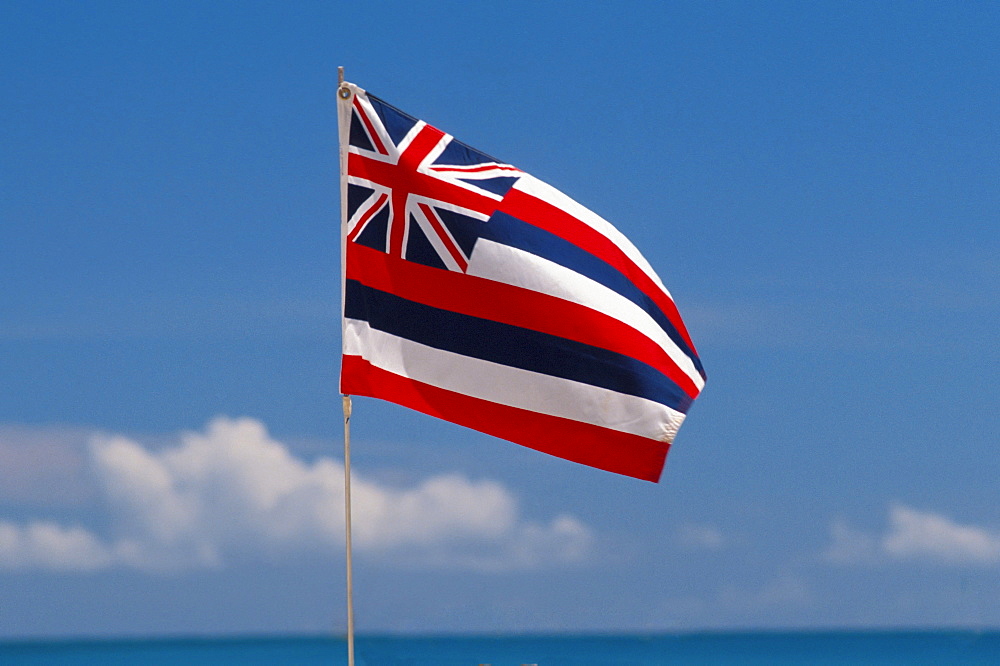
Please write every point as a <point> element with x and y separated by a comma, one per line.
<point>347,529</point>
<point>343,129</point>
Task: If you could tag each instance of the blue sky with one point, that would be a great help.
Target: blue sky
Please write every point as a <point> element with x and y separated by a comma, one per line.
<point>816,183</point>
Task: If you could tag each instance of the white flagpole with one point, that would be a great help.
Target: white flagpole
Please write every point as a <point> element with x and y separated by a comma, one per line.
<point>343,123</point>
<point>347,529</point>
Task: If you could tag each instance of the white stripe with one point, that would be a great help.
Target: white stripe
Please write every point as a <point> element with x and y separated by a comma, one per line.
<point>541,190</point>
<point>532,391</point>
<point>510,265</point>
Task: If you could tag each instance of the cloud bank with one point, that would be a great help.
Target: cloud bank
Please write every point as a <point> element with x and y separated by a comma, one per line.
<point>232,491</point>
<point>914,535</point>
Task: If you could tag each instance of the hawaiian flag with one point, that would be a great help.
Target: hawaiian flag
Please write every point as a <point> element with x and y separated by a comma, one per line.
<point>478,294</point>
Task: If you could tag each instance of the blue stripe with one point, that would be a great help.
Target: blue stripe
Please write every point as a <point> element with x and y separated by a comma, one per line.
<point>511,346</point>
<point>509,230</point>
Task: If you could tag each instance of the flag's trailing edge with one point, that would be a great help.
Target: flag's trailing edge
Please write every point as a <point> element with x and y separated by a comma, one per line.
<point>478,294</point>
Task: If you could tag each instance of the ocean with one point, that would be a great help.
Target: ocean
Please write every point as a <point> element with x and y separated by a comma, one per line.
<point>925,647</point>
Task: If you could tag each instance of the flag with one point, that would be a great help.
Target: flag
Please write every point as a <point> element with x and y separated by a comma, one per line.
<point>476,293</point>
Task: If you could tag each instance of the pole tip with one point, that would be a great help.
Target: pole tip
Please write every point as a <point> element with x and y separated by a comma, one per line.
<point>340,75</point>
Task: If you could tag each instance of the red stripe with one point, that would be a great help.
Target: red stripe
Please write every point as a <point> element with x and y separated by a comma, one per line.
<point>544,215</point>
<point>606,449</point>
<point>496,301</point>
<point>371,130</point>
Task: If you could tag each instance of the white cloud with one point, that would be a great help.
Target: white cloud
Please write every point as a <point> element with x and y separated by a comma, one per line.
<point>44,545</point>
<point>917,535</point>
<point>233,490</point>
<point>914,535</point>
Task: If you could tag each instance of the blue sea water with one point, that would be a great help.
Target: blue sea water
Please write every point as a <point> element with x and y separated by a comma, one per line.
<point>930,647</point>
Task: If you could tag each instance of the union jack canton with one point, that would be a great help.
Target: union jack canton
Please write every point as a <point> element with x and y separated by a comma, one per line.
<point>414,191</point>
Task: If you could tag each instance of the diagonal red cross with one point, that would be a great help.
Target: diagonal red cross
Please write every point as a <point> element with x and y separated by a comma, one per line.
<point>403,180</point>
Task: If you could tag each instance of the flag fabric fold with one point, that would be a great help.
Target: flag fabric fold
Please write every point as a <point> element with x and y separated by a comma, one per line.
<point>476,293</point>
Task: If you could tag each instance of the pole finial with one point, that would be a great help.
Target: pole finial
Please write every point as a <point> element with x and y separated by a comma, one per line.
<point>343,91</point>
